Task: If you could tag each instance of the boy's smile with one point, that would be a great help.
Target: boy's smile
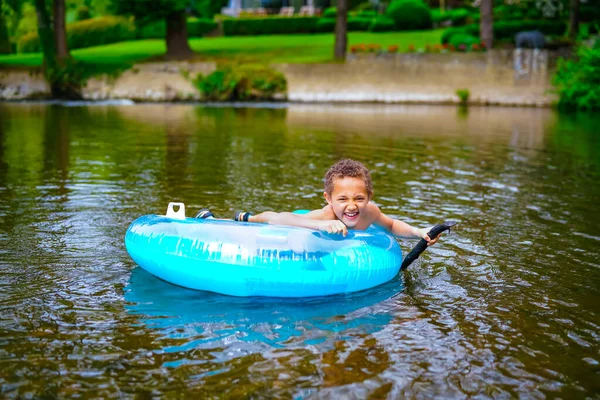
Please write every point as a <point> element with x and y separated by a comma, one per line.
<point>348,200</point>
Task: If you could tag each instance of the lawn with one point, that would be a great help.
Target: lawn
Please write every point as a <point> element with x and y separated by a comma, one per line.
<point>269,49</point>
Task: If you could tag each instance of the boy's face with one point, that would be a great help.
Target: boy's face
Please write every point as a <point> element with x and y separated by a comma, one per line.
<point>348,199</point>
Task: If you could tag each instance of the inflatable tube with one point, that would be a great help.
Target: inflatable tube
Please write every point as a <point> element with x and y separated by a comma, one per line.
<point>251,259</point>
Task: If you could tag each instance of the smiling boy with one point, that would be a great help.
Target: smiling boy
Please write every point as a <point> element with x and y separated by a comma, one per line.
<point>348,192</point>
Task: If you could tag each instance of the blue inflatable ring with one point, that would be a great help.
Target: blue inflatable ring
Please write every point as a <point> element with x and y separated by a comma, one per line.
<point>251,259</point>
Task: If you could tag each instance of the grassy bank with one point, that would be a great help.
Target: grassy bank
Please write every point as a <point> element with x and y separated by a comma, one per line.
<point>270,49</point>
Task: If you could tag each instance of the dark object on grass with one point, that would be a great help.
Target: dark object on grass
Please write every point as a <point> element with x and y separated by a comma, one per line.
<point>422,245</point>
<point>530,39</point>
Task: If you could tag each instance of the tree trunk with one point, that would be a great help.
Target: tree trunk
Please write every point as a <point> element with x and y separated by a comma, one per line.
<point>60,31</point>
<point>574,20</point>
<point>486,26</point>
<point>341,30</point>
<point>177,37</point>
<point>59,73</point>
<point>46,35</point>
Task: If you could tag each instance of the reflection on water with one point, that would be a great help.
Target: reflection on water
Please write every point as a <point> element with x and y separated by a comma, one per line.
<point>505,306</point>
<point>210,320</point>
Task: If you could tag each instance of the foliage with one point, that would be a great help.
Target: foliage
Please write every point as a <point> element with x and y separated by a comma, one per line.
<point>367,13</point>
<point>326,25</point>
<point>578,81</point>
<point>359,23</point>
<point>209,8</point>
<point>87,33</point>
<point>456,17</point>
<point>145,11</point>
<point>197,27</point>
<point>410,14</point>
<point>269,26</point>
<point>242,83</point>
<point>463,39</point>
<point>508,29</point>
<point>382,24</point>
<point>463,95</point>
<point>27,23</point>
<point>330,12</point>
<point>83,12</point>
<point>5,47</point>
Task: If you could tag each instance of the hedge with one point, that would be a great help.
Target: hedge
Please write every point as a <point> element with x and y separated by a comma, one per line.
<point>508,29</point>
<point>197,27</point>
<point>382,24</point>
<point>87,33</point>
<point>269,25</point>
<point>354,24</point>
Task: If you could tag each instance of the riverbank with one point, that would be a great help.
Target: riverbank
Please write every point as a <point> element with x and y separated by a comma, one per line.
<point>498,77</point>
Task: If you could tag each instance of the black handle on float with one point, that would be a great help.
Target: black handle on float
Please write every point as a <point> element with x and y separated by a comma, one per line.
<point>422,245</point>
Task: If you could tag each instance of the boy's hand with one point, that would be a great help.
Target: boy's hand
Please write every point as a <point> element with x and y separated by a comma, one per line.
<point>430,241</point>
<point>333,226</point>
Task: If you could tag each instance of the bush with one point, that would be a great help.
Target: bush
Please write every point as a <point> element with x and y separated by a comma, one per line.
<point>463,39</point>
<point>330,12</point>
<point>242,83</point>
<point>463,95</point>
<point>87,33</point>
<point>326,25</point>
<point>197,27</point>
<point>382,24</point>
<point>410,14</point>
<point>269,25</point>
<point>367,13</point>
<point>83,13</point>
<point>508,29</point>
<point>578,81</point>
<point>358,23</point>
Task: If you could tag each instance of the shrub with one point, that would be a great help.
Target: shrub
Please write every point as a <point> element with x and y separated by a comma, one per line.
<point>381,24</point>
<point>269,25</point>
<point>326,25</point>
<point>330,12</point>
<point>83,13</point>
<point>463,95</point>
<point>578,81</point>
<point>508,29</point>
<point>247,82</point>
<point>392,48</point>
<point>197,27</point>
<point>459,16</point>
<point>367,13</point>
<point>358,24</point>
<point>410,14</point>
<point>87,33</point>
<point>465,39</point>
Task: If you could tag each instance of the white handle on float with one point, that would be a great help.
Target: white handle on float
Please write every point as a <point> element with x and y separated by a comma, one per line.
<point>179,214</point>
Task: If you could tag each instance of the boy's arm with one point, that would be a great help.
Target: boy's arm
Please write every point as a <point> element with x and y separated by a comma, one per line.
<point>401,229</point>
<point>316,220</point>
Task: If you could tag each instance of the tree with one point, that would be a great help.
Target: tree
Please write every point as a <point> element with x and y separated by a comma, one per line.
<point>60,30</point>
<point>341,30</point>
<point>4,39</point>
<point>486,26</point>
<point>574,19</point>
<point>58,66</point>
<point>173,12</point>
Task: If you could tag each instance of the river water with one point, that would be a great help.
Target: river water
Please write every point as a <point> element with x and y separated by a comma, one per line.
<point>507,305</point>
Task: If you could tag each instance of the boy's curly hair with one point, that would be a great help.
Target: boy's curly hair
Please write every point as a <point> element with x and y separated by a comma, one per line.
<point>347,168</point>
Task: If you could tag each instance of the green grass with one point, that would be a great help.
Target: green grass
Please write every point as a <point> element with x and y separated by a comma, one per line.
<point>266,49</point>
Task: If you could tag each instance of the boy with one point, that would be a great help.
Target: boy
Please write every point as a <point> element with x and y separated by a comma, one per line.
<point>348,191</point>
